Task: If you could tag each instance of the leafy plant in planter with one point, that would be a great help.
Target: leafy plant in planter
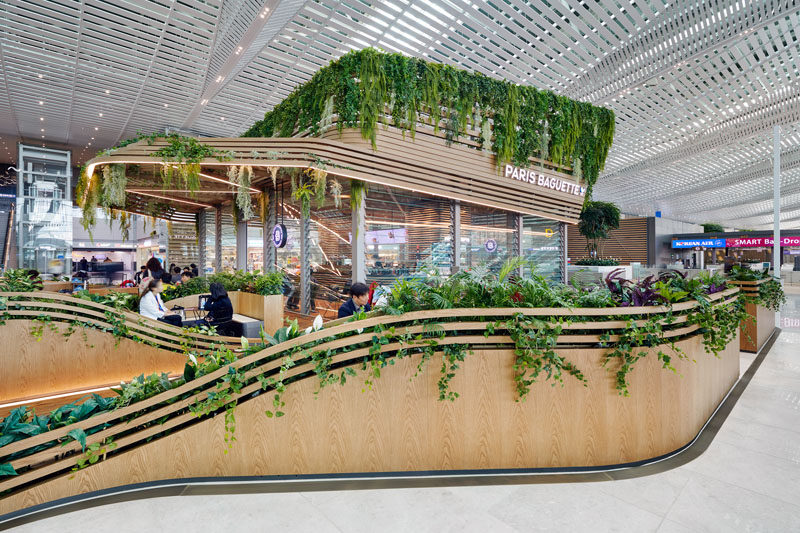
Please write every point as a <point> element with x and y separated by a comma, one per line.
<point>365,88</point>
<point>595,262</point>
<point>19,280</point>
<point>596,220</point>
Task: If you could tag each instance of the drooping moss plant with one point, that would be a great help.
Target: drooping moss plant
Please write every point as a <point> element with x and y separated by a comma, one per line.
<point>367,87</point>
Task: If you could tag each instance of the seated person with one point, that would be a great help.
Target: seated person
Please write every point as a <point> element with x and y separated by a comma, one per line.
<point>219,307</point>
<point>359,300</point>
<point>185,276</point>
<point>151,305</point>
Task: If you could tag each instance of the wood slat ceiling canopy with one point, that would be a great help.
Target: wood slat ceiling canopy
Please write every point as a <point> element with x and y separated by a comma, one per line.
<point>425,165</point>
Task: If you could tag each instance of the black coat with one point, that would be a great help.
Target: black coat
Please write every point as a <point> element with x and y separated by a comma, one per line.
<point>219,310</point>
<point>349,308</point>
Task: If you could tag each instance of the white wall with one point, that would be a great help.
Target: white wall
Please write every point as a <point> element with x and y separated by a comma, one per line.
<point>664,230</point>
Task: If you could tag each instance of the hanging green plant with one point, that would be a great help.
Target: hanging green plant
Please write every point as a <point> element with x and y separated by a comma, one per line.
<point>336,192</point>
<point>303,193</point>
<point>113,185</point>
<point>516,122</point>
<point>87,196</point>
<point>319,183</point>
<point>181,159</point>
<point>263,206</point>
<point>240,178</point>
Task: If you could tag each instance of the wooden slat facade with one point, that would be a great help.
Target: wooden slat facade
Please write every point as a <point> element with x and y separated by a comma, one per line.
<point>424,164</point>
<point>628,243</point>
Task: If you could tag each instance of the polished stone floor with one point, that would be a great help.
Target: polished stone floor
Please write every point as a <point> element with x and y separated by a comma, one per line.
<point>747,480</point>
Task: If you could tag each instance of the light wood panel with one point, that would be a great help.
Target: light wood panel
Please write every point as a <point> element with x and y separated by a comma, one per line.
<point>426,164</point>
<point>400,426</point>
<point>172,413</point>
<point>754,332</point>
<point>56,364</point>
<point>628,243</point>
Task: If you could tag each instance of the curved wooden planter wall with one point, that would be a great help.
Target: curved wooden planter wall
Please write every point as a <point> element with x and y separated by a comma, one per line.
<point>755,332</point>
<point>57,363</point>
<point>399,425</point>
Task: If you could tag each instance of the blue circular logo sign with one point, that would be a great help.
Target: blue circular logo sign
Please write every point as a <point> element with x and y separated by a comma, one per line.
<point>491,246</point>
<point>279,235</point>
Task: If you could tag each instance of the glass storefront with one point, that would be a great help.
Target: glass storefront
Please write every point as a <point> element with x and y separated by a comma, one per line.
<point>405,232</point>
<point>45,210</point>
<point>487,236</point>
<point>541,246</point>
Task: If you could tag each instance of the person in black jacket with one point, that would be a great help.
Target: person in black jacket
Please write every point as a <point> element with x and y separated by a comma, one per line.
<point>219,306</point>
<point>359,298</point>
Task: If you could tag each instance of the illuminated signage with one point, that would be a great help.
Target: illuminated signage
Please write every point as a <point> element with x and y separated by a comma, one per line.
<point>759,242</point>
<point>542,180</point>
<point>703,243</point>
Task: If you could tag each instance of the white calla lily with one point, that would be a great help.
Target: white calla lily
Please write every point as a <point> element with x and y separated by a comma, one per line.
<point>317,325</point>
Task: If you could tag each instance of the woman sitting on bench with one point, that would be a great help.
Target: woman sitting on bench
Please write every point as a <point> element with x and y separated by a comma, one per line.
<point>151,306</point>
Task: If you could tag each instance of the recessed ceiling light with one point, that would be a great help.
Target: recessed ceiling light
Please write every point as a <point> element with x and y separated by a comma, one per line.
<point>41,102</point>
<point>90,144</point>
<point>166,105</point>
<point>95,129</point>
<point>42,129</point>
<point>92,138</point>
<point>41,118</point>
<point>41,76</point>
<point>100,114</point>
<point>108,92</point>
<point>222,118</point>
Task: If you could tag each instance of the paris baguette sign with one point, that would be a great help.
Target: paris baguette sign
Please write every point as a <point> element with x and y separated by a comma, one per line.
<point>542,180</point>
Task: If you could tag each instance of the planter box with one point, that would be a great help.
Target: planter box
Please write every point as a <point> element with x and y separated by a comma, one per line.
<point>596,274</point>
<point>754,332</point>
<point>572,426</point>
<point>267,309</point>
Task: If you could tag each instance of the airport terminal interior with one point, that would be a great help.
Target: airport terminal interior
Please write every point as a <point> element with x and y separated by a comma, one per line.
<point>400,265</point>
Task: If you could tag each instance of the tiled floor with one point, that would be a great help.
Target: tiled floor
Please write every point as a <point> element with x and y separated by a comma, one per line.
<point>747,480</point>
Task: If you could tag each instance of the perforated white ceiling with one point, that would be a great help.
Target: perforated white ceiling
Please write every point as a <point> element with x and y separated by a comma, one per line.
<point>696,85</point>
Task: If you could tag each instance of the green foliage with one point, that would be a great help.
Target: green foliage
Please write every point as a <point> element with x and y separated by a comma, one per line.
<point>711,227</point>
<point>18,280</point>
<point>117,300</point>
<point>596,220</point>
<point>535,343</point>
<point>93,453</point>
<point>593,261</point>
<point>366,87</point>
<point>740,273</point>
<point>253,282</point>
<point>771,295</point>
<point>181,159</point>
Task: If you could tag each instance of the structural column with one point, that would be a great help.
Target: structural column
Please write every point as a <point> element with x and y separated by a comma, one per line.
<point>518,241</point>
<point>218,239</point>
<point>305,265</point>
<point>358,244</point>
<point>455,235</point>
<point>202,232</point>
<point>776,200</point>
<point>241,245</point>
<point>270,252</point>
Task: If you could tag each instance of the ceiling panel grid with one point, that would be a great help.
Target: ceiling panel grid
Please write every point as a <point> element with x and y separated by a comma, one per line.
<point>696,86</point>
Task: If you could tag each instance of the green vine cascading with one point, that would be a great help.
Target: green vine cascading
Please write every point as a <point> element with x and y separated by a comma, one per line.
<point>367,87</point>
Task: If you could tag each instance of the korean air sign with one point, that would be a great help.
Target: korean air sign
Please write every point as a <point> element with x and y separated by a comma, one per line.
<point>694,243</point>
